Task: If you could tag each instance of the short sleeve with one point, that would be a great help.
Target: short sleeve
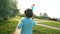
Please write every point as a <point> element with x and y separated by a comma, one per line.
<point>20,25</point>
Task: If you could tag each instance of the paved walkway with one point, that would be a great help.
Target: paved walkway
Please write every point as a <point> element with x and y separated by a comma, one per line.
<point>17,31</point>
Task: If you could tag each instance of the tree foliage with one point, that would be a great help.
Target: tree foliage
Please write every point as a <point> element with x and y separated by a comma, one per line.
<point>8,9</point>
<point>44,16</point>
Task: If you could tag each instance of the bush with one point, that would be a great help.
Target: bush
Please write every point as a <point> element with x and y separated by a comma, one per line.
<point>54,19</point>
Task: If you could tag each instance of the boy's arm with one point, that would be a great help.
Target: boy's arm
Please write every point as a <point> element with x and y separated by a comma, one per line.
<point>34,22</point>
<point>20,25</point>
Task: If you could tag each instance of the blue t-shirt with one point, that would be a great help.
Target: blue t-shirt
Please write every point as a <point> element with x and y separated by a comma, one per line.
<point>27,25</point>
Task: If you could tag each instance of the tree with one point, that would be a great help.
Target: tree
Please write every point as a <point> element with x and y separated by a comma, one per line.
<point>58,19</point>
<point>44,16</point>
<point>8,9</point>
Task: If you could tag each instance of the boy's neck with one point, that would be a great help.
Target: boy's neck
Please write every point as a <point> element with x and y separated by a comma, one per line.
<point>28,18</point>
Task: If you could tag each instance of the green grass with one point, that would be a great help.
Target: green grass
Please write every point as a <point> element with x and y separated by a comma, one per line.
<point>8,27</point>
<point>51,23</point>
<point>44,30</point>
<point>48,22</point>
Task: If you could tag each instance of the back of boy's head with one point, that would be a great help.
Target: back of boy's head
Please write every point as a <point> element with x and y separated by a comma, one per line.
<point>28,13</point>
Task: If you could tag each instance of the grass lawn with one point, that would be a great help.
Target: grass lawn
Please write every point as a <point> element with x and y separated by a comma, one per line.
<point>51,23</point>
<point>44,30</point>
<point>8,27</point>
<point>48,22</point>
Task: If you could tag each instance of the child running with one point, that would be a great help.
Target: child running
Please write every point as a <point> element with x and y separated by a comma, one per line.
<point>26,24</point>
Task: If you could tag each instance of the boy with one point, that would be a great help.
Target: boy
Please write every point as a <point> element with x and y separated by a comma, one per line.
<point>27,23</point>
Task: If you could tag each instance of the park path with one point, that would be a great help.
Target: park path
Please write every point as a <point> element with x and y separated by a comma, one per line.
<point>52,27</point>
<point>48,26</point>
<point>17,31</point>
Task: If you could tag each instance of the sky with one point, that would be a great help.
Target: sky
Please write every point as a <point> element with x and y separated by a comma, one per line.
<point>51,7</point>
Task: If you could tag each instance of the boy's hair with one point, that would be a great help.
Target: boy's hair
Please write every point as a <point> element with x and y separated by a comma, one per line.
<point>28,13</point>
